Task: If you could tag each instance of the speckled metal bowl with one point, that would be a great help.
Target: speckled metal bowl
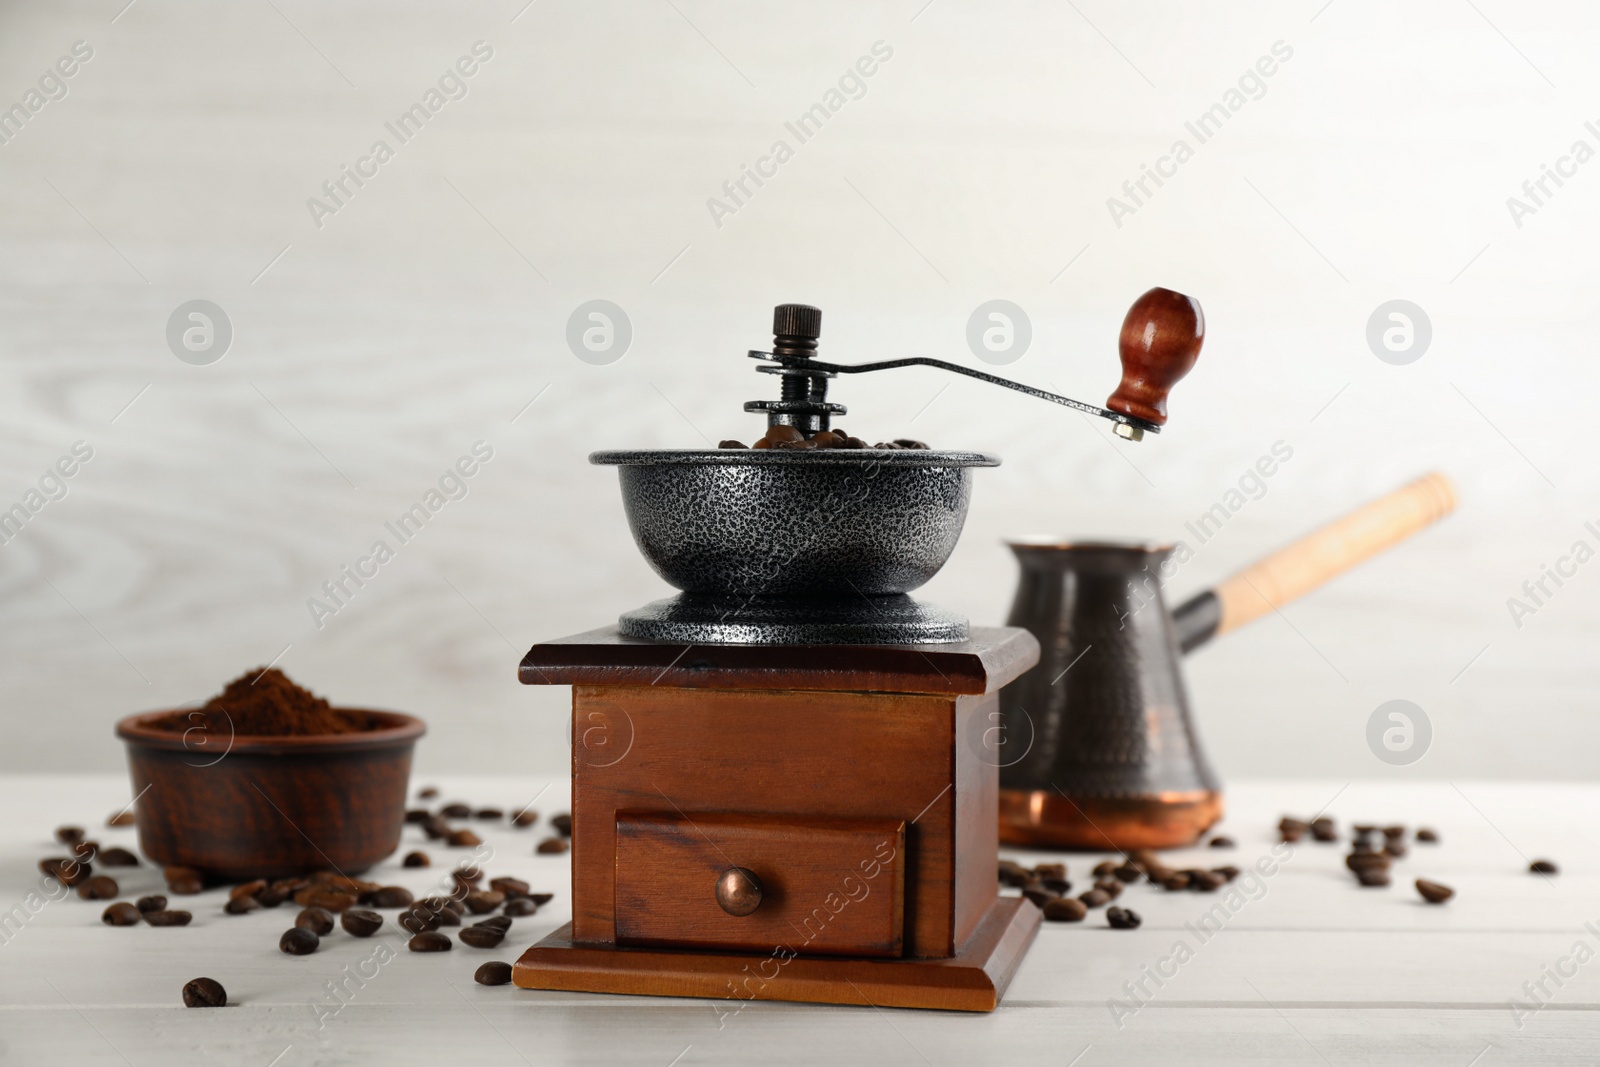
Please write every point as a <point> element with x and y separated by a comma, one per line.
<point>789,527</point>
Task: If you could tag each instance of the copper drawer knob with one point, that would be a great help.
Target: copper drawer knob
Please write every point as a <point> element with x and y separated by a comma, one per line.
<point>738,891</point>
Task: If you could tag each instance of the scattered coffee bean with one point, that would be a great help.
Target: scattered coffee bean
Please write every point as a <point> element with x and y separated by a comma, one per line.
<point>390,896</point>
<point>481,936</point>
<point>729,443</point>
<point>1110,887</point>
<point>511,887</point>
<point>69,872</point>
<point>541,899</point>
<point>1126,873</point>
<point>69,835</point>
<point>1050,870</point>
<point>497,922</point>
<point>1176,880</point>
<point>418,816</point>
<point>167,918</point>
<point>1065,910</point>
<point>1323,829</point>
<point>418,920</point>
<point>316,920</point>
<point>1433,892</point>
<point>524,819</point>
<point>1206,881</point>
<point>272,896</point>
<point>298,941</point>
<point>1427,836</point>
<point>495,972</point>
<point>467,875</point>
<point>120,818</point>
<point>1095,898</point>
<point>1395,847</point>
<point>154,903</point>
<point>416,859</point>
<point>326,898</point>
<point>519,906</point>
<point>1291,830</point>
<point>457,810</point>
<point>427,792</point>
<point>120,914</point>
<point>553,845</point>
<point>84,850</point>
<point>248,889</point>
<point>359,922</point>
<point>1221,842</point>
<point>1543,867</point>
<point>463,839</point>
<point>184,881</point>
<point>241,905</point>
<point>437,828</point>
<point>1228,874</point>
<point>1360,861</point>
<point>1393,832</point>
<point>100,887</point>
<point>204,993</point>
<point>1061,887</point>
<point>1040,897</point>
<point>429,942</point>
<point>562,824</point>
<point>1014,875</point>
<point>1373,877</point>
<point>1123,918</point>
<point>482,902</point>
<point>1104,868</point>
<point>488,813</point>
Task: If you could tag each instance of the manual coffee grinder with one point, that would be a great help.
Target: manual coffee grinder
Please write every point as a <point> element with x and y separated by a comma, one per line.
<point>783,786</point>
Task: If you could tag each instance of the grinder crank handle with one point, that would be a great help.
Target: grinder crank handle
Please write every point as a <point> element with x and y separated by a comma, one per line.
<point>1313,560</point>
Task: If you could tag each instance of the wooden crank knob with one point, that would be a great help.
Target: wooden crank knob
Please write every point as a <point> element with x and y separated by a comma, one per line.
<point>1159,344</point>
<point>738,891</point>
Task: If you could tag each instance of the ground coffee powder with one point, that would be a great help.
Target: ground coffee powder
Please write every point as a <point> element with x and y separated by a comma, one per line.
<point>265,703</point>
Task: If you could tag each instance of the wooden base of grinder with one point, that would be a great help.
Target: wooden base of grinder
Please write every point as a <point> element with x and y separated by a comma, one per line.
<point>1047,819</point>
<point>974,979</point>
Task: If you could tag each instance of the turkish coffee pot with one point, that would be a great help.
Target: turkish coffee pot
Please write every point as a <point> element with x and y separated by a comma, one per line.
<point>807,545</point>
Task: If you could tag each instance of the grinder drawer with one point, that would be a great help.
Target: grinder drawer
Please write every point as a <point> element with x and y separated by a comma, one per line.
<point>813,886</point>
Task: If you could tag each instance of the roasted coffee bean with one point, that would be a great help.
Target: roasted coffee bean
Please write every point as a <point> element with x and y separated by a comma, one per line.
<point>1227,874</point>
<point>427,792</point>
<point>272,897</point>
<point>416,859</point>
<point>1158,875</point>
<point>541,899</point>
<point>1040,897</point>
<point>69,872</point>
<point>117,857</point>
<point>120,914</point>
<point>1362,828</point>
<point>498,922</point>
<point>120,818</point>
<point>1394,847</point>
<point>1110,887</point>
<point>326,898</point>
<point>1433,892</point>
<point>418,920</point>
<point>562,824</point>
<point>1059,886</point>
<point>1013,874</point>
<point>316,920</point>
<point>1176,880</point>
<point>1126,873</point>
<point>481,936</point>
<point>359,922</point>
<point>1373,877</point>
<point>418,816</point>
<point>429,942</point>
<point>511,887</point>
<point>1104,868</point>
<point>289,886</point>
<point>241,905</point>
<point>524,819</point>
<point>167,918</point>
<point>185,881</point>
<point>1050,870</point>
<point>248,889</point>
<point>84,850</point>
<point>907,442</point>
<point>1206,881</point>
<point>1363,844</point>
<point>729,443</point>
<point>1395,831</point>
<point>482,902</point>
<point>1543,867</point>
<point>553,845</point>
<point>519,906</point>
<point>100,887</point>
<point>298,941</point>
<point>457,810</point>
<point>204,993</point>
<point>489,813</point>
<point>463,839</point>
<point>69,835</point>
<point>444,904</point>
<point>1323,829</point>
<point>437,828</point>
<point>1427,835</point>
<point>152,903</point>
<point>335,880</point>
<point>1065,910</point>
<point>468,875</point>
<point>1095,898</point>
<point>495,972</point>
<point>1364,861</point>
<point>1221,842</point>
<point>390,896</point>
<point>1123,918</point>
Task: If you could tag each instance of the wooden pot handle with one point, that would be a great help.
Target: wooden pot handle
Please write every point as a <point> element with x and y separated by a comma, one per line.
<point>1298,568</point>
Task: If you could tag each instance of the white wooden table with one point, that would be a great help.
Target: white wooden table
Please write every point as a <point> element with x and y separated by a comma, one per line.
<point>1308,969</point>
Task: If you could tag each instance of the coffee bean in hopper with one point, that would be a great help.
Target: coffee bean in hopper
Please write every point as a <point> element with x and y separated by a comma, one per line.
<point>1065,910</point>
<point>416,859</point>
<point>481,936</point>
<point>1123,918</point>
<point>154,903</point>
<point>495,972</point>
<point>1433,892</point>
<point>316,920</point>
<point>204,993</point>
<point>358,922</point>
<point>298,941</point>
<point>120,914</point>
<point>100,887</point>
<point>167,918</point>
<point>432,941</point>
<point>1543,867</point>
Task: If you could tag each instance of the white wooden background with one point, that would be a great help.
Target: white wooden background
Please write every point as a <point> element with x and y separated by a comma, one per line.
<point>431,309</point>
<point>1314,971</point>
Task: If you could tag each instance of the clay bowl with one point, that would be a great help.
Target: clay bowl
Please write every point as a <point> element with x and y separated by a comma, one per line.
<point>269,807</point>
